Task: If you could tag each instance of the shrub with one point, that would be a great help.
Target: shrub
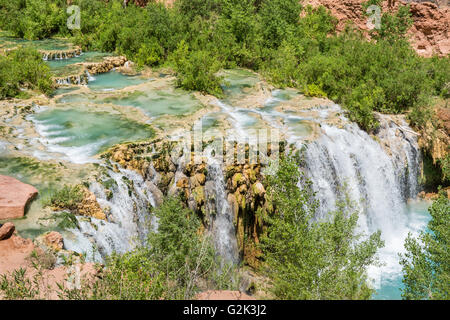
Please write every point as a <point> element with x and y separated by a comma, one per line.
<point>21,69</point>
<point>197,70</point>
<point>67,198</point>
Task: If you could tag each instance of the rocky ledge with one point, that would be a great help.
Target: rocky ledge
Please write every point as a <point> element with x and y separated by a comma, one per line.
<point>14,197</point>
<point>92,68</point>
<point>60,54</point>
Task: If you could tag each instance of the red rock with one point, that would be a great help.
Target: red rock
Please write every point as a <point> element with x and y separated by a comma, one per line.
<point>54,240</point>
<point>14,197</point>
<point>223,295</point>
<point>14,253</point>
<point>7,230</point>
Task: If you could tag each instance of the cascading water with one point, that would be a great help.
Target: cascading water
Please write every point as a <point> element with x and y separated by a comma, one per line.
<point>128,216</point>
<point>223,229</point>
<point>347,160</point>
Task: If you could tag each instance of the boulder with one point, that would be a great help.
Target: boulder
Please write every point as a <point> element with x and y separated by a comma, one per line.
<point>14,197</point>
<point>54,240</point>
<point>6,230</point>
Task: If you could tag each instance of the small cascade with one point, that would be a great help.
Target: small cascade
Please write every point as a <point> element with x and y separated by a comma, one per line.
<point>223,230</point>
<point>89,77</point>
<point>127,203</point>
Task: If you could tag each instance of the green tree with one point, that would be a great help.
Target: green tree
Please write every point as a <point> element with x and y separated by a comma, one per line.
<point>426,263</point>
<point>309,258</point>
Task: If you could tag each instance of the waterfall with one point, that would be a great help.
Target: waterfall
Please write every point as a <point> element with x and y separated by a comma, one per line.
<point>378,180</point>
<point>89,76</point>
<point>223,229</point>
<point>128,217</point>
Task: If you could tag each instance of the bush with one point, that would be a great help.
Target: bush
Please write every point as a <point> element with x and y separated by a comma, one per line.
<point>68,198</point>
<point>196,70</point>
<point>23,69</point>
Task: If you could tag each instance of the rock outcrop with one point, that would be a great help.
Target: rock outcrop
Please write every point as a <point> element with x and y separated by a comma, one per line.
<point>61,54</point>
<point>106,65</point>
<point>14,197</point>
<point>39,261</point>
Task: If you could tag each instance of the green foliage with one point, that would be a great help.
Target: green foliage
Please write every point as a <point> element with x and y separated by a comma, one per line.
<point>19,286</point>
<point>310,259</point>
<point>67,198</point>
<point>445,165</point>
<point>150,53</point>
<point>23,68</point>
<point>280,19</point>
<point>313,90</point>
<point>33,19</point>
<point>426,264</point>
<point>196,70</point>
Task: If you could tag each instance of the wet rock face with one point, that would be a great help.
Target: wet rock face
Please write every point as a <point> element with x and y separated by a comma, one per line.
<point>14,197</point>
<point>435,135</point>
<point>176,176</point>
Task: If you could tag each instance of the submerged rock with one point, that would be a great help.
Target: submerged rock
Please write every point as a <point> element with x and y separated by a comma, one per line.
<point>14,197</point>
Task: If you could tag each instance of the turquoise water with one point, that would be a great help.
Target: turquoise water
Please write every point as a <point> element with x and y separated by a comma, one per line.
<point>418,218</point>
<point>239,81</point>
<point>159,102</point>
<point>114,81</point>
<point>80,134</point>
